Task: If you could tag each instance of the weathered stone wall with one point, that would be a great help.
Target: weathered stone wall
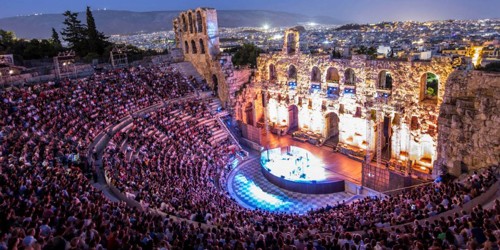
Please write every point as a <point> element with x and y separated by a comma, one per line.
<point>196,32</point>
<point>413,121</point>
<point>469,122</point>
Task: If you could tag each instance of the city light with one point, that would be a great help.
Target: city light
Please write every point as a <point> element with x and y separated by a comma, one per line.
<point>265,26</point>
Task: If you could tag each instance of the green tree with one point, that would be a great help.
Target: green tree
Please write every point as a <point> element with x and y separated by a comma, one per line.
<point>246,55</point>
<point>7,38</point>
<point>55,39</point>
<point>96,40</point>
<point>75,33</point>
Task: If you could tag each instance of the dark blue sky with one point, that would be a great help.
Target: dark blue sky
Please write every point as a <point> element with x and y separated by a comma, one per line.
<point>344,10</point>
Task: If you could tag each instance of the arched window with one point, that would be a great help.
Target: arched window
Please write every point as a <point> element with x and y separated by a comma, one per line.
<point>202,47</point>
<point>193,47</point>
<point>292,72</point>
<point>272,73</point>
<point>186,47</point>
<point>199,22</point>
<point>315,74</point>
<point>332,75</point>
<point>429,87</point>
<point>384,80</point>
<point>184,23</point>
<point>291,43</point>
<point>190,16</point>
<point>350,77</point>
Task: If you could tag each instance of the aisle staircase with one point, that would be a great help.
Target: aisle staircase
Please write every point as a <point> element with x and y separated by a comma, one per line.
<point>187,69</point>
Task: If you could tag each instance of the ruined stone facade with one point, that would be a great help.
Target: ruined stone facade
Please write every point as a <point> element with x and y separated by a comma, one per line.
<point>350,98</point>
<point>469,122</point>
<point>197,34</point>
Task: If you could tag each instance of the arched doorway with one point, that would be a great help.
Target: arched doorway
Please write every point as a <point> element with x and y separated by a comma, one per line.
<point>293,118</point>
<point>331,131</point>
<point>386,140</point>
<point>272,73</point>
<point>291,43</point>
<point>186,47</point>
<point>315,75</point>
<point>215,81</point>
<point>349,77</point>
<point>292,73</point>
<point>332,75</point>
<point>193,47</point>
<point>249,114</point>
<point>429,87</point>
<point>199,22</point>
<point>384,80</point>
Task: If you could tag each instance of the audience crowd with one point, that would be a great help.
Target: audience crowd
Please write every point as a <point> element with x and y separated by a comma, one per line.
<point>170,161</point>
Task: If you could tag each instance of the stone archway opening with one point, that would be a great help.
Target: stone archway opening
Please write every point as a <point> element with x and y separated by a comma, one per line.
<point>350,77</point>
<point>332,127</point>
<point>332,75</point>
<point>249,114</point>
<point>429,87</point>
<point>293,118</point>
<point>291,43</point>
<point>384,80</point>
<point>215,82</point>
<point>272,73</point>
<point>386,142</point>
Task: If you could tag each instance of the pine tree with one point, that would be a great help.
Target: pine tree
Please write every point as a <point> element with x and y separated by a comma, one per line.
<point>96,40</point>
<point>75,33</point>
<point>55,39</point>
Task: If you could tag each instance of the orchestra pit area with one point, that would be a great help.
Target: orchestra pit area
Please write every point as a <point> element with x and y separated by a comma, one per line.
<point>138,158</point>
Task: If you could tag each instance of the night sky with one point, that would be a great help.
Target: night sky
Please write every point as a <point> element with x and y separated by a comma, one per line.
<point>345,10</point>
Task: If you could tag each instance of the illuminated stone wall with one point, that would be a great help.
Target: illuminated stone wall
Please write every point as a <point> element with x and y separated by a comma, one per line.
<point>196,33</point>
<point>411,118</point>
<point>469,122</point>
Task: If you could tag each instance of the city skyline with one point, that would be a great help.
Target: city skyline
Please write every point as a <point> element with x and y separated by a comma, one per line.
<point>360,11</point>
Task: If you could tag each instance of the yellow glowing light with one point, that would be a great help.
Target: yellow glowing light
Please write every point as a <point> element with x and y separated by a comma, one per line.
<point>476,56</point>
<point>423,168</point>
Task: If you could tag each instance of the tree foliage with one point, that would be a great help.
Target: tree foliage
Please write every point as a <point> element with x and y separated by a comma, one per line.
<point>85,40</point>
<point>74,33</point>
<point>26,49</point>
<point>55,39</point>
<point>246,55</point>
<point>96,40</point>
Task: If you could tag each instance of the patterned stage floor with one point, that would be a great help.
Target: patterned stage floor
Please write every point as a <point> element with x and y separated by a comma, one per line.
<point>252,190</point>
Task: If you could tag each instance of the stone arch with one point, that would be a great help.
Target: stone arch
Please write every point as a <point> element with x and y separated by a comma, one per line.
<point>293,118</point>
<point>429,87</point>
<point>272,73</point>
<point>190,17</point>
<point>186,47</point>
<point>332,75</point>
<point>249,113</point>
<point>291,43</point>
<point>193,47</point>
<point>349,77</point>
<point>292,72</point>
<point>384,80</point>
<point>202,46</point>
<point>215,82</point>
<point>315,74</point>
<point>331,125</point>
<point>199,22</point>
<point>184,23</point>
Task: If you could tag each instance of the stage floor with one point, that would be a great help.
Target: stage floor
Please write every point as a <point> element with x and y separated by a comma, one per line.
<point>336,165</point>
<point>248,186</point>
